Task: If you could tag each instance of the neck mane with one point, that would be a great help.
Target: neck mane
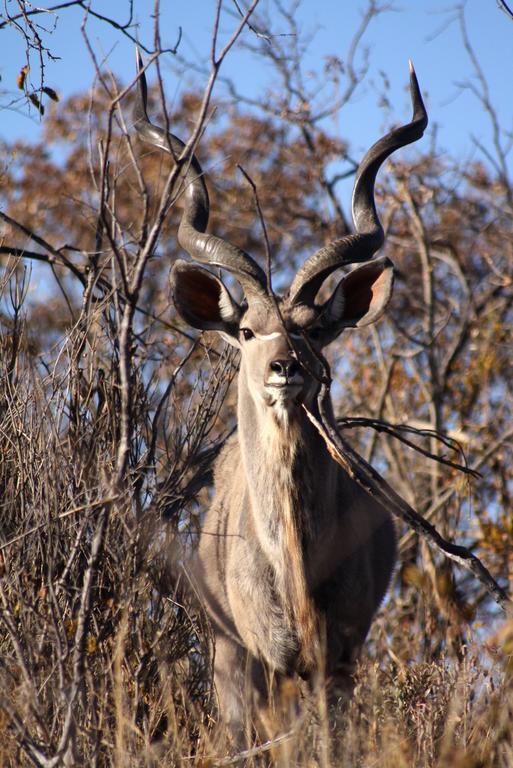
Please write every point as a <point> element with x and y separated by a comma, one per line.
<point>280,454</point>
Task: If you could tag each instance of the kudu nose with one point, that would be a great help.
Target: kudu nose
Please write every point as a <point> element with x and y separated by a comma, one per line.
<point>287,368</point>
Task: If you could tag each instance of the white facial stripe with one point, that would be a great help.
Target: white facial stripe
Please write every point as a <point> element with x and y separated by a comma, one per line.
<point>268,336</point>
<point>275,335</point>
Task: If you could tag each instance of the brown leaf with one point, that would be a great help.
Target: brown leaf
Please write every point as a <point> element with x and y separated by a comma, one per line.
<point>20,80</point>
<point>51,93</point>
<point>35,101</point>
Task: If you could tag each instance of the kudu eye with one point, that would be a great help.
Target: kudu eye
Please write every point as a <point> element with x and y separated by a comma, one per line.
<point>247,333</point>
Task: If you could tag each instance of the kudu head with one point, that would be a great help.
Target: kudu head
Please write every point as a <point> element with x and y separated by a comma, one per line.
<point>279,336</point>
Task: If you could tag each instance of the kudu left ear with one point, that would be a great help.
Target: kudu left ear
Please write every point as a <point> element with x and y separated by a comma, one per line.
<point>359,299</point>
<point>203,301</point>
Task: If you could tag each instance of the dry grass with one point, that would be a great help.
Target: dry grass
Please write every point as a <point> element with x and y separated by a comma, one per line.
<point>105,658</point>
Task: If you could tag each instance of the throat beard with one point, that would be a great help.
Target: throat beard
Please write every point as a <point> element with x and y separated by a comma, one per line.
<point>285,412</point>
<point>287,506</point>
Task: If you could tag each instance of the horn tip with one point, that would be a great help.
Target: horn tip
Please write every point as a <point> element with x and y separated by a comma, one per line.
<point>414,83</point>
<point>138,58</point>
<point>139,110</point>
<point>419,109</point>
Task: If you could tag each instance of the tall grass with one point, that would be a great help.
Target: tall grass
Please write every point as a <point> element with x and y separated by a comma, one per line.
<point>105,654</point>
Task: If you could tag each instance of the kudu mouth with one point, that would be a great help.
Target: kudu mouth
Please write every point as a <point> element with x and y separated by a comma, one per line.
<point>285,390</point>
<point>286,397</point>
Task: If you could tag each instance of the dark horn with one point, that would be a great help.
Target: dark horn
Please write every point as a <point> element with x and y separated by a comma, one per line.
<point>201,247</point>
<point>369,235</point>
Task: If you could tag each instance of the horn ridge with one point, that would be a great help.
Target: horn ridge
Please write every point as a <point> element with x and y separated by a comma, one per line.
<point>202,247</point>
<point>369,235</point>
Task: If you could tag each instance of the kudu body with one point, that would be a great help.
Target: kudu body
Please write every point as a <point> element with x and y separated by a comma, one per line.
<point>294,557</point>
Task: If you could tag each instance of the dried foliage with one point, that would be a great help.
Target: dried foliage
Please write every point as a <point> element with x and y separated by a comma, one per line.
<point>111,415</point>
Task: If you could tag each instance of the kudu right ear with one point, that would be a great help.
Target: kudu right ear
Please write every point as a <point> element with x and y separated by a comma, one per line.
<point>359,299</point>
<point>203,301</point>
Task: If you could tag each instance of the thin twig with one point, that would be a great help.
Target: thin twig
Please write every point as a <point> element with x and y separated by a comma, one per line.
<point>86,7</point>
<point>268,257</point>
<point>61,516</point>
<point>503,5</point>
<point>55,256</point>
<point>395,431</point>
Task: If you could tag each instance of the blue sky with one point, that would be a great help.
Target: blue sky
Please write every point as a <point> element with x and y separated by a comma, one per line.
<point>418,29</point>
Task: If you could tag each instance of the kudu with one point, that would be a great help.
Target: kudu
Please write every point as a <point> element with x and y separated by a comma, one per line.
<point>294,557</point>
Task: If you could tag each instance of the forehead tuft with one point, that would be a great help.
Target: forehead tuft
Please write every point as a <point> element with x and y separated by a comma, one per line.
<point>263,318</point>
<point>258,316</point>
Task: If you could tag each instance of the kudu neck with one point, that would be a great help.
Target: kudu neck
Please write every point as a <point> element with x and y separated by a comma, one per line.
<point>289,479</point>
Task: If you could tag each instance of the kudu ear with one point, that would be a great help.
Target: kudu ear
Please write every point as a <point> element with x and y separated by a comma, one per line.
<point>359,299</point>
<point>203,301</point>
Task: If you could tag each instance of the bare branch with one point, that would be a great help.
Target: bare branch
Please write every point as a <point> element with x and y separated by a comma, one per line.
<point>503,5</point>
<point>55,256</point>
<point>124,28</point>
<point>377,487</point>
<point>268,255</point>
<point>397,430</point>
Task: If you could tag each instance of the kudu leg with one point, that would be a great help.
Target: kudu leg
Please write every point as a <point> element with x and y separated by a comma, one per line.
<point>254,706</point>
<point>231,685</point>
